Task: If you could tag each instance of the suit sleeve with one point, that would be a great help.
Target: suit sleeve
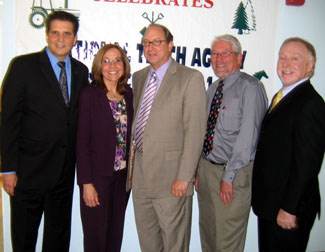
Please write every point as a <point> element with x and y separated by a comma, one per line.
<point>308,144</point>
<point>84,168</point>
<point>12,102</point>
<point>194,122</point>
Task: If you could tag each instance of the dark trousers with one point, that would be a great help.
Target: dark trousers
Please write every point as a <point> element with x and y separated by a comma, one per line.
<point>103,225</point>
<point>273,238</point>
<point>26,215</point>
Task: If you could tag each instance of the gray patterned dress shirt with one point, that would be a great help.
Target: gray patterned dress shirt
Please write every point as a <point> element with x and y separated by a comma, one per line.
<point>242,110</point>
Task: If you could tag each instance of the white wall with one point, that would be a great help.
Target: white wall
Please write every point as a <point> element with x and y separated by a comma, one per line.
<point>307,21</point>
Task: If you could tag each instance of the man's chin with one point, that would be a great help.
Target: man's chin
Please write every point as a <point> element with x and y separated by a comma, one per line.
<point>221,76</point>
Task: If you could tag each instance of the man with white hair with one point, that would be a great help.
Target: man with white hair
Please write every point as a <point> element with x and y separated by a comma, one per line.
<point>236,105</point>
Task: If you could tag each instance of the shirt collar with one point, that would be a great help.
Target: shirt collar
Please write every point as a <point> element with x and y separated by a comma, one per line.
<point>161,71</point>
<point>54,59</point>
<point>287,90</point>
<point>230,79</point>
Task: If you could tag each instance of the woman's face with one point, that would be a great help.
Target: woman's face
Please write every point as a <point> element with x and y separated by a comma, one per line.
<point>112,66</point>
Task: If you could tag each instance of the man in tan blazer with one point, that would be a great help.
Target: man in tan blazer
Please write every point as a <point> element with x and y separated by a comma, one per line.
<point>168,138</point>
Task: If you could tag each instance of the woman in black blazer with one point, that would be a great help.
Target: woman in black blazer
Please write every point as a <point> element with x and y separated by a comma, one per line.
<point>103,143</point>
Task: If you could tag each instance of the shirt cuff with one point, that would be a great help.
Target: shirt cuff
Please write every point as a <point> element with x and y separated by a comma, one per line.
<point>10,172</point>
<point>228,176</point>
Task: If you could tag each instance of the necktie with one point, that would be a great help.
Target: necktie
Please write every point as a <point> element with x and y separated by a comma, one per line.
<point>147,100</point>
<point>63,82</point>
<point>212,119</point>
<point>276,99</point>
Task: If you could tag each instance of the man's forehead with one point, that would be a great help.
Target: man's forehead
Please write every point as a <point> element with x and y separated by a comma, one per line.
<point>295,47</point>
<point>291,52</point>
<point>61,23</point>
<point>222,44</point>
<point>154,31</point>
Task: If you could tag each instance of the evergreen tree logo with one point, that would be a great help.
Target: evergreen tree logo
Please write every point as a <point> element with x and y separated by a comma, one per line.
<point>241,21</point>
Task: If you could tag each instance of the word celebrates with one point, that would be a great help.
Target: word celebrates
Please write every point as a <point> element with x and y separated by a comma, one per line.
<point>182,3</point>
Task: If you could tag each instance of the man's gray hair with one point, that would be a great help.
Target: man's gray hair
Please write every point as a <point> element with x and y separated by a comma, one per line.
<point>229,38</point>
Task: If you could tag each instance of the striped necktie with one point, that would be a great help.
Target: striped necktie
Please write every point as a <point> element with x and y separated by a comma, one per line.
<point>147,100</point>
<point>63,82</point>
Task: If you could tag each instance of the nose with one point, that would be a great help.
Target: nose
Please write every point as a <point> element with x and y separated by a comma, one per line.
<point>219,56</point>
<point>286,62</point>
<point>150,46</point>
<point>112,63</point>
<point>60,37</point>
<point>216,58</point>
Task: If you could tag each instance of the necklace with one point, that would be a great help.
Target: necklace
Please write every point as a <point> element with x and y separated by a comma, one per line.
<point>115,98</point>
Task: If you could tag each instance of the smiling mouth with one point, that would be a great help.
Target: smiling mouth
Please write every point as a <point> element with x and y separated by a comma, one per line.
<point>219,64</point>
<point>286,72</point>
<point>152,53</point>
<point>60,45</point>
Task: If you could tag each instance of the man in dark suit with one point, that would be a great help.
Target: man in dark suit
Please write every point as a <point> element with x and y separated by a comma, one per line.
<point>289,155</point>
<point>38,131</point>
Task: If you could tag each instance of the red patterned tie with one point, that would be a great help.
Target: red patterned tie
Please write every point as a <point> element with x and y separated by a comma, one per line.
<point>212,120</point>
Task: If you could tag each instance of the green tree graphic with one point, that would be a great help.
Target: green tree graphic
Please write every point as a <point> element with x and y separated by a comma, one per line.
<point>240,20</point>
<point>253,25</point>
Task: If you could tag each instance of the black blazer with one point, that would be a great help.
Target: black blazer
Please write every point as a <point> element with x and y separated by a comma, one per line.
<point>289,156</point>
<point>38,131</point>
<point>96,140</point>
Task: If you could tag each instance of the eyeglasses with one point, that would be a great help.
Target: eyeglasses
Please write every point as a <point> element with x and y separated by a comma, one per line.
<point>115,61</point>
<point>156,42</point>
<point>224,54</point>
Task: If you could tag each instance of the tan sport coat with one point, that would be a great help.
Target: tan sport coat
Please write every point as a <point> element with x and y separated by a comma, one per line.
<point>174,133</point>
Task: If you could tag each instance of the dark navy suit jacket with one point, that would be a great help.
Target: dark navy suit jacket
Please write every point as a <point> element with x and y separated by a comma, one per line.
<point>289,156</point>
<point>38,131</point>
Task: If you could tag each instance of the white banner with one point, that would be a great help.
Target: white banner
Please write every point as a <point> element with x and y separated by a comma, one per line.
<point>194,24</point>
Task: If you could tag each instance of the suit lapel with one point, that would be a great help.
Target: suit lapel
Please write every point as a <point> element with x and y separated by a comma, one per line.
<point>296,93</point>
<point>77,83</point>
<point>129,106</point>
<point>138,91</point>
<point>105,106</point>
<point>74,83</point>
<point>49,74</point>
<point>166,84</point>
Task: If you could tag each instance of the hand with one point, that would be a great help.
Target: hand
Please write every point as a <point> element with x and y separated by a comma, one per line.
<point>286,220</point>
<point>90,195</point>
<point>196,181</point>
<point>9,183</point>
<point>179,188</point>
<point>226,193</point>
